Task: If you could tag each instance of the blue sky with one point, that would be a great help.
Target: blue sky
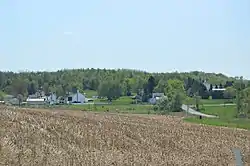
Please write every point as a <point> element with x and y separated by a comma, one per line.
<point>157,36</point>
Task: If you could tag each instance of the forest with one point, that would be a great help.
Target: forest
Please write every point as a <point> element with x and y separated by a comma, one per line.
<point>113,83</point>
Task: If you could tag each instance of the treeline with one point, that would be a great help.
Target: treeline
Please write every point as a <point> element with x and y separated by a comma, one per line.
<point>108,83</point>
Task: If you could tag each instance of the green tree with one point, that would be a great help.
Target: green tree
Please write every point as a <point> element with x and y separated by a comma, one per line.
<point>110,89</point>
<point>151,84</point>
<point>174,86</point>
<point>248,83</point>
<point>32,87</point>
<point>239,102</point>
<point>239,86</point>
<point>20,99</point>
<point>160,86</point>
<point>175,93</point>
<point>246,93</point>
<point>2,94</point>
<point>19,86</point>
<point>230,93</point>
<point>93,78</point>
<point>2,79</point>
<point>127,87</point>
<point>198,103</point>
<point>246,99</point>
<point>177,101</point>
<point>163,105</point>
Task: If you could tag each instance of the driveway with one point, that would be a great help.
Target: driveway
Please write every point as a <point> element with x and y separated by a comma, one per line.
<point>194,112</point>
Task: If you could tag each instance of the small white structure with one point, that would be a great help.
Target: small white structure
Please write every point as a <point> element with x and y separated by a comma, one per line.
<point>218,89</point>
<point>155,97</point>
<point>152,100</point>
<point>37,101</point>
<point>51,99</point>
<point>76,98</point>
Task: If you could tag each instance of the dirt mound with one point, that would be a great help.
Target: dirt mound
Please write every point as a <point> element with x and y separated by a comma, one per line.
<point>39,137</point>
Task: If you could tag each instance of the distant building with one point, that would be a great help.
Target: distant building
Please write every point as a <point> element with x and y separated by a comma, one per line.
<point>207,85</point>
<point>38,94</point>
<point>51,99</point>
<point>214,87</point>
<point>216,92</point>
<point>36,101</point>
<point>218,89</point>
<point>76,98</point>
<point>155,97</point>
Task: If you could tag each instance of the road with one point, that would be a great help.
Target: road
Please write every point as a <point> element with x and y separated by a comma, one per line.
<point>194,112</point>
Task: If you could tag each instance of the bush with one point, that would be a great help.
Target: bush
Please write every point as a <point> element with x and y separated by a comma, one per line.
<point>155,108</point>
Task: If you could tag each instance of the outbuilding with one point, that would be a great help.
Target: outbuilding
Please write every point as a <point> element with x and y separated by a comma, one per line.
<point>37,101</point>
<point>76,98</point>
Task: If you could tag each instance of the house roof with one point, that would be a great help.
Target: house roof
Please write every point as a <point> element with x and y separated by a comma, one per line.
<point>157,94</point>
<point>207,85</point>
<point>218,89</point>
<point>34,100</point>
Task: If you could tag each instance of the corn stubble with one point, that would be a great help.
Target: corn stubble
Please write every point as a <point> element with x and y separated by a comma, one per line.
<point>35,137</point>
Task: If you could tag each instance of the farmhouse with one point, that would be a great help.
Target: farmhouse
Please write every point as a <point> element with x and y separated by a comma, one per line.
<point>216,92</point>
<point>155,97</point>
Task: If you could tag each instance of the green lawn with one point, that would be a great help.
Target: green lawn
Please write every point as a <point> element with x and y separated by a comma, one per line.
<point>213,101</point>
<point>226,117</point>
<point>90,93</point>
<point>135,109</point>
<point>124,100</point>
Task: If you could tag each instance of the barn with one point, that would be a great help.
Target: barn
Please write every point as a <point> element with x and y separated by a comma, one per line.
<point>76,98</point>
<point>36,101</point>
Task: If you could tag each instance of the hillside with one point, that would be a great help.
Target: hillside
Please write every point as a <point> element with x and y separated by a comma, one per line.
<point>129,81</point>
<point>41,137</point>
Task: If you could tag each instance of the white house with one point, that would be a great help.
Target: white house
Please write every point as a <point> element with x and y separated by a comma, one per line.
<point>155,97</point>
<point>37,101</point>
<point>51,99</point>
<point>77,98</point>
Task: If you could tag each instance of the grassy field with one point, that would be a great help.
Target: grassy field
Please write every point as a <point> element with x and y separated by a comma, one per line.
<point>61,137</point>
<point>114,108</point>
<point>124,100</point>
<point>213,101</point>
<point>90,93</point>
<point>134,109</point>
<point>226,117</point>
<point>121,105</point>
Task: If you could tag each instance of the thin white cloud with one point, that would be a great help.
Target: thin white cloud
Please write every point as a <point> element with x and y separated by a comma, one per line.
<point>68,33</point>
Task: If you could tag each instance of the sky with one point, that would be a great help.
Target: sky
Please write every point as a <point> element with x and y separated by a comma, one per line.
<point>155,36</point>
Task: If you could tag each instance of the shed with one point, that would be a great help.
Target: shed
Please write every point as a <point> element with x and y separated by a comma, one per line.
<point>37,101</point>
